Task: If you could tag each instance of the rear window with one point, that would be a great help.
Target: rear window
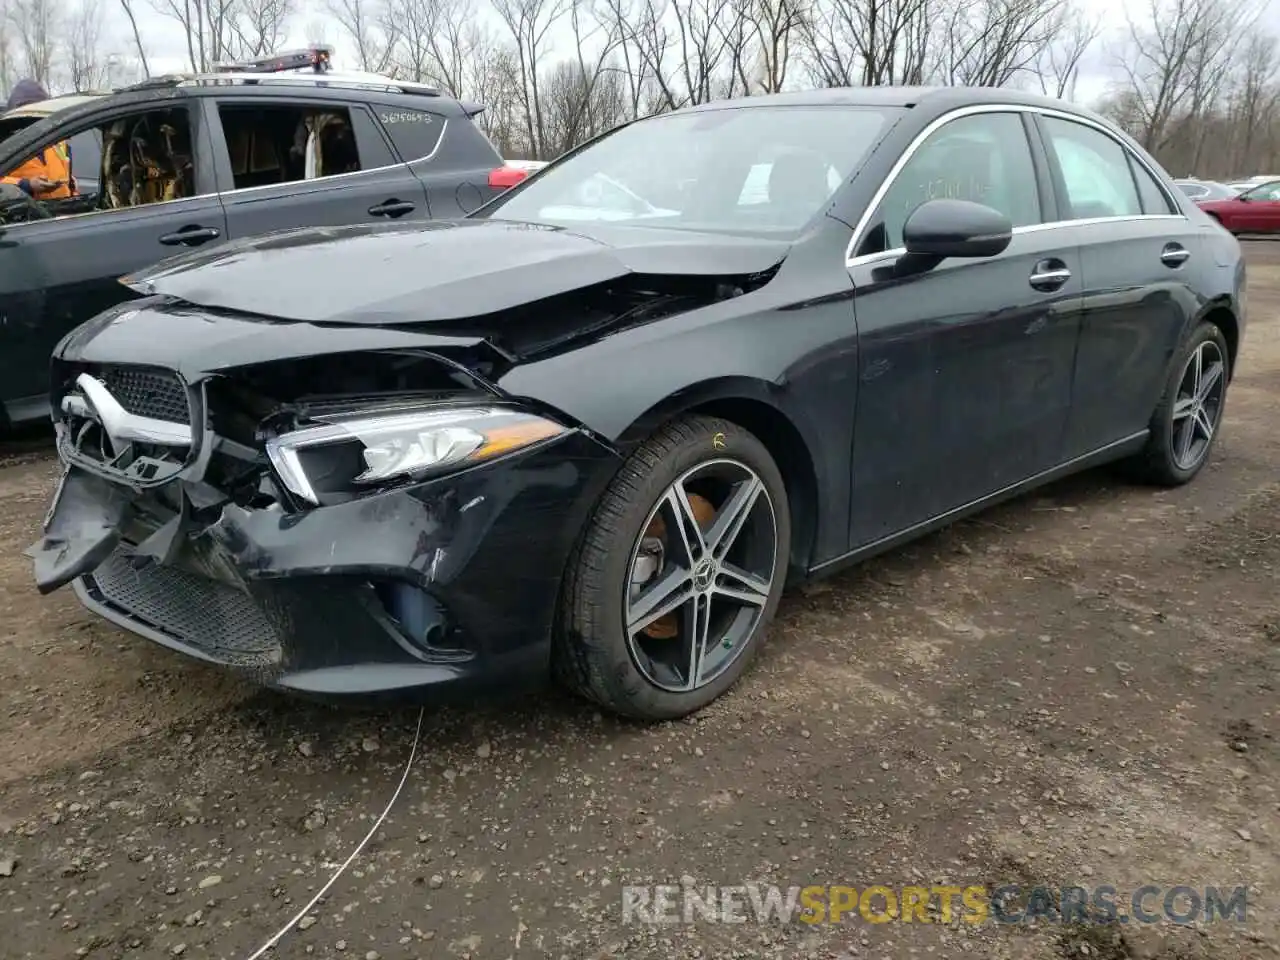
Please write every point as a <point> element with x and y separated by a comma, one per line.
<point>414,133</point>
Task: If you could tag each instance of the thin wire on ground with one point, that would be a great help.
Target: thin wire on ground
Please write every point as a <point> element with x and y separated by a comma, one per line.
<point>342,868</point>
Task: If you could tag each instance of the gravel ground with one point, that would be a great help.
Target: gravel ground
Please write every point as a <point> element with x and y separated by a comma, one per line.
<point>1076,688</point>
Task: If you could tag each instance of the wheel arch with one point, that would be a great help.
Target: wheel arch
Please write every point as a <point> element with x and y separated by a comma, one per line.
<point>752,405</point>
<point>1222,316</point>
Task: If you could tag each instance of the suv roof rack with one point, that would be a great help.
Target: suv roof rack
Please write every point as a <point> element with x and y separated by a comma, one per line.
<point>317,58</point>
<point>349,81</point>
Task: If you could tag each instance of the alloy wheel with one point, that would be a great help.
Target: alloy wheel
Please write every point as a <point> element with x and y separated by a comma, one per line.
<point>701,575</point>
<point>1198,406</point>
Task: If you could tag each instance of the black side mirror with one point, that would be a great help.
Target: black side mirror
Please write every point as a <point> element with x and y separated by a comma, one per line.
<point>1243,198</point>
<point>956,228</point>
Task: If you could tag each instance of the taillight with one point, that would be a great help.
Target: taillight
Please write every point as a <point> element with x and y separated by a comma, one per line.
<point>504,178</point>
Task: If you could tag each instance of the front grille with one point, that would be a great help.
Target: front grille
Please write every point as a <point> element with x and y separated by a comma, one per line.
<point>148,392</point>
<point>220,620</point>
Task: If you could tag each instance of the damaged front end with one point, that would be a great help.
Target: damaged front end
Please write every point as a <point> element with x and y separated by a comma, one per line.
<point>332,520</point>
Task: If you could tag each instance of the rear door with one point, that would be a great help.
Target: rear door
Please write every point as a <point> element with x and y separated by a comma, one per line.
<point>261,146</point>
<point>60,262</point>
<point>448,154</point>
<point>1135,250</point>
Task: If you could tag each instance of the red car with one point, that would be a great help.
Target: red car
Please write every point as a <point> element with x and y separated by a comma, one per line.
<point>1257,210</point>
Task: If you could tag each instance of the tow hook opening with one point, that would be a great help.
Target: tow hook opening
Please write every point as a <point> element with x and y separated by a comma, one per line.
<point>420,621</point>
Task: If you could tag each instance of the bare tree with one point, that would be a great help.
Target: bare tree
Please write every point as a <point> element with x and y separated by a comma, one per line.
<point>529,23</point>
<point>493,78</point>
<point>1253,101</point>
<point>1172,59</point>
<point>1057,65</point>
<point>8,64</point>
<point>438,41</point>
<point>774,26</point>
<point>86,66</point>
<point>131,16</point>
<point>631,62</point>
<point>993,42</point>
<point>34,25</point>
<point>371,27</point>
<point>868,42</point>
<point>261,25</point>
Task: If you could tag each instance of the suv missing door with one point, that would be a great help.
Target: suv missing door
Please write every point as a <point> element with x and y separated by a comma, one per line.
<point>187,161</point>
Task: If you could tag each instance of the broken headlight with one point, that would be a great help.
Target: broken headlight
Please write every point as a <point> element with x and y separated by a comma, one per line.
<point>365,449</point>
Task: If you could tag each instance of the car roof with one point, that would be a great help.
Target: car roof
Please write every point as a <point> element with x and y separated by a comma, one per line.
<point>344,86</point>
<point>43,108</point>
<point>330,85</point>
<point>933,101</point>
<point>896,97</point>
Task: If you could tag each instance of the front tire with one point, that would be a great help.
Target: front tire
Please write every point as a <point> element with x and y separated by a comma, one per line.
<point>1186,422</point>
<point>678,573</point>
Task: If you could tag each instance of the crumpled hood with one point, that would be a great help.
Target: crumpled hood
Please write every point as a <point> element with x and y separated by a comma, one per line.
<point>435,270</point>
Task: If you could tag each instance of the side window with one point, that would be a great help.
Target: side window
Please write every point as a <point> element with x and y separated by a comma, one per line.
<point>984,158</point>
<point>128,161</point>
<point>1095,171</point>
<point>1268,191</point>
<point>414,133</point>
<point>1152,197</point>
<point>270,144</point>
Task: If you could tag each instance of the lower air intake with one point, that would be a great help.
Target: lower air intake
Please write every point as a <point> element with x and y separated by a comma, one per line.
<point>220,620</point>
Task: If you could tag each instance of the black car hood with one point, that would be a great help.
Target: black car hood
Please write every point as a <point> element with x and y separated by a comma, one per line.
<point>395,274</point>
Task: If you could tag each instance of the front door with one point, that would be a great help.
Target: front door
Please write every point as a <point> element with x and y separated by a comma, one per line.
<point>965,369</point>
<point>284,164</point>
<point>61,261</point>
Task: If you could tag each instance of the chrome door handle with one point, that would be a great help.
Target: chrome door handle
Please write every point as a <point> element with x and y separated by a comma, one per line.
<point>1174,255</point>
<point>1050,279</point>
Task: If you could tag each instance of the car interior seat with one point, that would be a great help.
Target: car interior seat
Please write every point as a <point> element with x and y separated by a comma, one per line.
<point>145,160</point>
<point>798,181</point>
<point>255,162</point>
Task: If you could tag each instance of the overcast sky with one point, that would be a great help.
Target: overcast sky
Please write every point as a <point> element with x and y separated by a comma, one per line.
<point>165,44</point>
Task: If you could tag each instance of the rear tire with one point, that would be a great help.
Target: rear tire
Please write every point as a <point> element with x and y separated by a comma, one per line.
<point>699,511</point>
<point>1187,420</point>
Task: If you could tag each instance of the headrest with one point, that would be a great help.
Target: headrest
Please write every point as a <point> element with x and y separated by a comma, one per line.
<point>799,178</point>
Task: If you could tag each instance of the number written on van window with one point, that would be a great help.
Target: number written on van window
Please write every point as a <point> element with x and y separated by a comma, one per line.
<point>415,133</point>
<point>406,117</point>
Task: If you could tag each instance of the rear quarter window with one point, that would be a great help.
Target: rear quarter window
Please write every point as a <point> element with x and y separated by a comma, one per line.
<point>414,133</point>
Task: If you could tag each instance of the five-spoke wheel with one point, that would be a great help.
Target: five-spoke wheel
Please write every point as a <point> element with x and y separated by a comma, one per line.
<point>1198,405</point>
<point>1186,421</point>
<point>702,572</point>
<point>678,574</point>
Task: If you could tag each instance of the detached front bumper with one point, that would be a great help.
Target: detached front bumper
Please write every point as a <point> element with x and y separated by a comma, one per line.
<point>446,586</point>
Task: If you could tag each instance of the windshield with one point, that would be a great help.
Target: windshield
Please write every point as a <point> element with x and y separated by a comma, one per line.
<point>737,170</point>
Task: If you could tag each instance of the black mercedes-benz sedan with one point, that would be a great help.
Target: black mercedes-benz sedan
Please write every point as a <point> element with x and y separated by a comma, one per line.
<point>594,429</point>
